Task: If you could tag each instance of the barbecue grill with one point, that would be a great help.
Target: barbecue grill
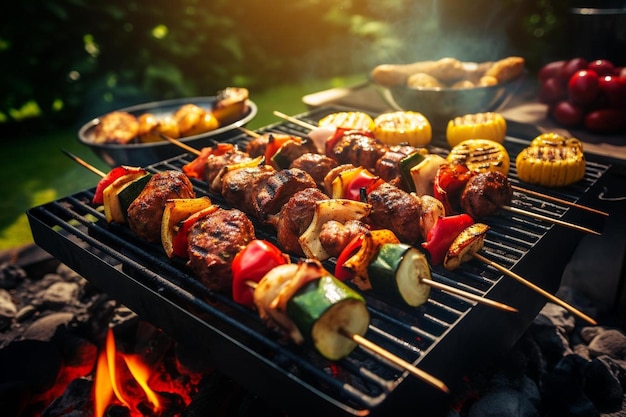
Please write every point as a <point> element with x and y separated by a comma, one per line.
<point>448,336</point>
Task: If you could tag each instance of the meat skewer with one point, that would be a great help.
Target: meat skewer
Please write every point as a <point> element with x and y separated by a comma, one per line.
<point>532,286</point>
<point>433,284</point>
<point>518,188</point>
<point>341,330</point>
<point>469,253</point>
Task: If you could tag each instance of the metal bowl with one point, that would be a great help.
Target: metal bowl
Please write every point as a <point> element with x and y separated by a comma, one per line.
<point>142,154</point>
<point>439,105</point>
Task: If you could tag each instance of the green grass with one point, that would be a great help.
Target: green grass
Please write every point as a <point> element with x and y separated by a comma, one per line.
<point>35,171</point>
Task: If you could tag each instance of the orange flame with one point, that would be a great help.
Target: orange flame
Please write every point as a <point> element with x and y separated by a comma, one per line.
<point>107,380</point>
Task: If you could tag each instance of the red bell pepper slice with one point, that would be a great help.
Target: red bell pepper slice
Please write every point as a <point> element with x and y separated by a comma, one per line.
<point>250,265</point>
<point>443,233</point>
<point>363,180</point>
<point>109,178</point>
<point>179,241</point>
<point>450,181</point>
<point>345,274</point>
<point>197,167</point>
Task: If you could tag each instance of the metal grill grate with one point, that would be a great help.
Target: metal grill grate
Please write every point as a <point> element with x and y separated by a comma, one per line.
<point>445,337</point>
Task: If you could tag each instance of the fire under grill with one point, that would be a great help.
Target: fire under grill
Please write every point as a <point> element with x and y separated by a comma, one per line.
<point>447,337</point>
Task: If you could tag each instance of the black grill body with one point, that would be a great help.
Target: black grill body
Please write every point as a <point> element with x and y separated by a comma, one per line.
<point>447,337</point>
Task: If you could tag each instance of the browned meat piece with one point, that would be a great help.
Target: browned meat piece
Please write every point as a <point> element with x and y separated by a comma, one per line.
<point>294,218</point>
<point>358,149</point>
<point>277,189</point>
<point>238,183</point>
<point>317,165</point>
<point>146,211</point>
<point>396,210</point>
<point>215,163</point>
<point>291,150</point>
<point>213,243</point>
<point>388,166</point>
<point>256,146</point>
<point>336,235</point>
<point>485,193</point>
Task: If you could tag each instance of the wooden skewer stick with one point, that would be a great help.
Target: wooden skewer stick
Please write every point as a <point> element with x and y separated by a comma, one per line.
<point>84,163</point>
<point>362,341</point>
<point>181,144</point>
<point>536,288</point>
<point>310,126</point>
<point>558,200</point>
<point>249,132</point>
<point>468,295</point>
<point>415,371</point>
<point>295,121</point>
<point>549,219</point>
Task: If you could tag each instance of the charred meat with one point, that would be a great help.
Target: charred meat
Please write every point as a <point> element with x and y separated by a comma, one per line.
<point>278,188</point>
<point>213,242</point>
<point>215,163</point>
<point>485,193</point>
<point>359,149</point>
<point>336,235</point>
<point>396,210</point>
<point>237,185</point>
<point>317,165</point>
<point>146,211</point>
<point>294,218</point>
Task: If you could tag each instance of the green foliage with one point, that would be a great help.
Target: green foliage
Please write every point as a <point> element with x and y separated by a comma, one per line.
<point>70,60</point>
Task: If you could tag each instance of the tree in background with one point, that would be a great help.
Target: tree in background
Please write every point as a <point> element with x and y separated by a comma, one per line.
<point>65,61</point>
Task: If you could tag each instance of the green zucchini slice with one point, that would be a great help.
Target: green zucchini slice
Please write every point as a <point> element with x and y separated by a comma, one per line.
<point>323,307</point>
<point>396,274</point>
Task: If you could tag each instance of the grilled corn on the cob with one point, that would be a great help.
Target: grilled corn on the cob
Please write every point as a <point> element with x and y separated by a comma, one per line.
<point>481,155</point>
<point>476,126</point>
<point>349,120</point>
<point>403,127</point>
<point>551,160</point>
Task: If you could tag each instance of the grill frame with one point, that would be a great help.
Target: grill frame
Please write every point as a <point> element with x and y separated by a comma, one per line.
<point>296,379</point>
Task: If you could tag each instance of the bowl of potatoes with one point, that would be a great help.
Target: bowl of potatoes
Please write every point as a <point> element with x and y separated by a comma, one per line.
<point>135,135</point>
<point>448,87</point>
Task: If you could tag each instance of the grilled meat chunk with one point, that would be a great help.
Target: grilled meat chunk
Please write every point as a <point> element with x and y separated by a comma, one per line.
<point>295,217</point>
<point>396,210</point>
<point>336,235</point>
<point>359,149</point>
<point>485,193</point>
<point>317,165</point>
<point>213,243</point>
<point>278,188</point>
<point>146,211</point>
<point>238,183</point>
<point>215,163</point>
<point>388,165</point>
<point>257,145</point>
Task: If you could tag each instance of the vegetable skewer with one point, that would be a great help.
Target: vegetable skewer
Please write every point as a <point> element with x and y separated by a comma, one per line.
<point>353,336</point>
<point>434,284</point>
<point>507,272</point>
<point>518,188</point>
<point>396,360</point>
